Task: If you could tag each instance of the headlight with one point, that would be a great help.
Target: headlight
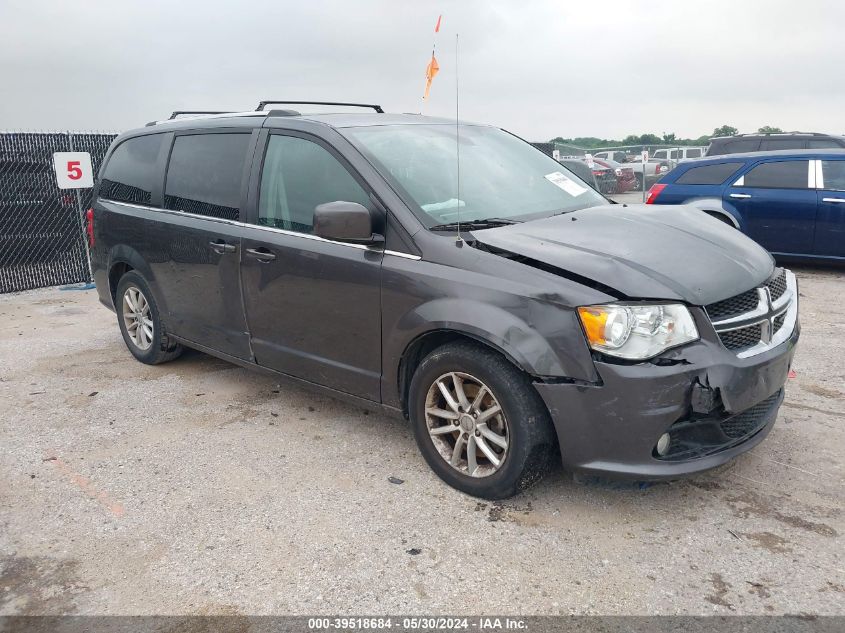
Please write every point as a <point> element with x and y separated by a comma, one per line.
<point>637,332</point>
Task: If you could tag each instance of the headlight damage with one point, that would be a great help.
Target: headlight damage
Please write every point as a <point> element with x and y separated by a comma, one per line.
<point>637,332</point>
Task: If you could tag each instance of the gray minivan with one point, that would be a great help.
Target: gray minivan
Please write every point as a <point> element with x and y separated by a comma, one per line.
<point>452,274</point>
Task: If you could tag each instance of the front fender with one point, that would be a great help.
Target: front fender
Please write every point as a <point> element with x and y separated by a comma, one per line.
<point>543,339</point>
<point>522,344</point>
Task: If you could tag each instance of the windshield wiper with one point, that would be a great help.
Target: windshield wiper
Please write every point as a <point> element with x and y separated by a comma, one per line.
<point>486,223</point>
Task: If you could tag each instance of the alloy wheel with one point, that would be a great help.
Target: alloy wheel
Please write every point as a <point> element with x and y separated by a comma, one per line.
<point>466,424</point>
<point>137,319</point>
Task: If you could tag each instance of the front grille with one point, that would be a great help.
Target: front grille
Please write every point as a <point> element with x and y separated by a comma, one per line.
<point>777,284</point>
<point>746,323</point>
<point>749,420</point>
<point>742,337</point>
<point>739,304</point>
<point>699,437</point>
<point>748,300</point>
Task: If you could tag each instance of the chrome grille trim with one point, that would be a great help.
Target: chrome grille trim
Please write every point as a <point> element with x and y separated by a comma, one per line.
<point>775,318</point>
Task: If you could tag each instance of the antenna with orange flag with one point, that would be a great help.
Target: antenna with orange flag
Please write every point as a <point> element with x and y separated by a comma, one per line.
<point>433,68</point>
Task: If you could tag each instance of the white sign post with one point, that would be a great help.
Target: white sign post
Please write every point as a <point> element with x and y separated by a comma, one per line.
<point>645,160</point>
<point>74,171</point>
<point>556,154</point>
<point>590,162</point>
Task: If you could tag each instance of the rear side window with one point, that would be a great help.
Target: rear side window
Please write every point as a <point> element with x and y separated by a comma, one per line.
<point>737,147</point>
<point>298,175</point>
<point>823,143</point>
<point>130,172</point>
<point>694,153</point>
<point>789,174</point>
<point>205,174</point>
<point>708,174</point>
<point>833,172</point>
<point>783,143</point>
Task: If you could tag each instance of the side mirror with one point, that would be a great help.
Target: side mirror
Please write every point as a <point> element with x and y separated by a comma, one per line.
<point>345,222</point>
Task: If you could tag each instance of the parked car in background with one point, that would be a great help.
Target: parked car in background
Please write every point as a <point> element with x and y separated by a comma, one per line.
<point>676,155</point>
<point>772,142</point>
<point>618,155</point>
<point>604,176</point>
<point>623,175</point>
<point>653,170</point>
<point>582,170</point>
<point>790,202</point>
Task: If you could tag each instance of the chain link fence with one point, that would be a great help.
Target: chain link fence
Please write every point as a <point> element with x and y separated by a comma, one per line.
<point>42,237</point>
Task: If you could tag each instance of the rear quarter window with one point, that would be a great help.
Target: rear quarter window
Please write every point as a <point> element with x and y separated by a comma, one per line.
<point>737,147</point>
<point>131,171</point>
<point>824,143</point>
<point>783,143</point>
<point>708,174</point>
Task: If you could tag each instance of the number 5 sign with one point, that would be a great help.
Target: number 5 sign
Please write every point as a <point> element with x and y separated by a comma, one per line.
<point>73,170</point>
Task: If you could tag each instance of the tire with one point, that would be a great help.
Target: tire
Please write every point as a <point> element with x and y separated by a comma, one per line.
<point>523,422</point>
<point>639,178</point>
<point>146,338</point>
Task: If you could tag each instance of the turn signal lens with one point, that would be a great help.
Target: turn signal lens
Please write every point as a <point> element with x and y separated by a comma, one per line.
<point>637,332</point>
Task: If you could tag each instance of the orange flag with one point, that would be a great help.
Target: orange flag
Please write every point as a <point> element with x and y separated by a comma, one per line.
<point>430,71</point>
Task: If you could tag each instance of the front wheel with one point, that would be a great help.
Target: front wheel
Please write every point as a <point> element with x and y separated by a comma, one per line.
<point>479,422</point>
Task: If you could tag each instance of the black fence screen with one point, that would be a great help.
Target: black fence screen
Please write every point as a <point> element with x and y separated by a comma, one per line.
<point>42,237</point>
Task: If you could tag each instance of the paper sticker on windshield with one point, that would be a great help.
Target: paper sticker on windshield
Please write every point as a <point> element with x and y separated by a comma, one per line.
<point>564,182</point>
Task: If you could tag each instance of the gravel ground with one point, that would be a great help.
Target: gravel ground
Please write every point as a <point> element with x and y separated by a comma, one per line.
<point>198,487</point>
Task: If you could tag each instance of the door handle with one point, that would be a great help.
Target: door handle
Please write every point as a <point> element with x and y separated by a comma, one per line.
<point>839,200</point>
<point>261,254</point>
<point>741,196</point>
<point>219,246</point>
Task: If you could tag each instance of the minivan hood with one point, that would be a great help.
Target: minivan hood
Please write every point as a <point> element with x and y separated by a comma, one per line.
<point>642,251</point>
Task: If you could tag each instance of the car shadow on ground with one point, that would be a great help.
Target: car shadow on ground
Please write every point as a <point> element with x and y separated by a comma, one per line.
<point>539,504</point>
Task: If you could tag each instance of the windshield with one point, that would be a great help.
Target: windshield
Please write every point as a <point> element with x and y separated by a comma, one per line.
<point>501,176</point>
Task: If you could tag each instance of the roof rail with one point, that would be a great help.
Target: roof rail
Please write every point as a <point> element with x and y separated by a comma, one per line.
<point>373,106</point>
<point>181,112</point>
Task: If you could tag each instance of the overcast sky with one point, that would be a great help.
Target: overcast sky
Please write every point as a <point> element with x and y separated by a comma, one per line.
<point>540,68</point>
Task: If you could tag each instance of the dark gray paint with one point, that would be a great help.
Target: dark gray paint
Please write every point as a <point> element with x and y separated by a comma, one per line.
<point>643,251</point>
<point>341,317</point>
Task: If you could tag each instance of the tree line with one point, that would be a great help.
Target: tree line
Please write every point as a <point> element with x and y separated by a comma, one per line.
<point>588,142</point>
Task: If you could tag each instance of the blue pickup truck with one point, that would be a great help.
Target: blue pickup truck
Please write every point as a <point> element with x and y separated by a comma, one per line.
<point>790,202</point>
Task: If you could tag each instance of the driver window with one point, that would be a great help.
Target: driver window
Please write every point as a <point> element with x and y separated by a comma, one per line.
<point>298,175</point>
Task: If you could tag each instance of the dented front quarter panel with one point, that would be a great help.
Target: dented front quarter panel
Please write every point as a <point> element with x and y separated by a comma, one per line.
<point>525,313</point>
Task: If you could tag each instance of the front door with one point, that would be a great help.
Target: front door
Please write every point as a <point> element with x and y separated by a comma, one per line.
<point>830,222</point>
<point>313,306</point>
<point>777,203</point>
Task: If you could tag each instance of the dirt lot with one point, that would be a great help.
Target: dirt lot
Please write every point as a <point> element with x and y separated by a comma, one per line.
<point>200,487</point>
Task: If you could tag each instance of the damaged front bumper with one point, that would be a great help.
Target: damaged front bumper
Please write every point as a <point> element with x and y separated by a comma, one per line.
<point>713,405</point>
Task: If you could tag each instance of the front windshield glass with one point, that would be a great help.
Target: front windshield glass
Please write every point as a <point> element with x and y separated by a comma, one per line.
<point>501,176</point>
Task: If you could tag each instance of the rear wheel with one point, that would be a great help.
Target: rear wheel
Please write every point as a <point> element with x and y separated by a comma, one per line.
<point>140,322</point>
<point>479,422</point>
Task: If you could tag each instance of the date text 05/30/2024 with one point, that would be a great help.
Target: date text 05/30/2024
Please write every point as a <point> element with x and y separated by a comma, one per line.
<point>417,623</point>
